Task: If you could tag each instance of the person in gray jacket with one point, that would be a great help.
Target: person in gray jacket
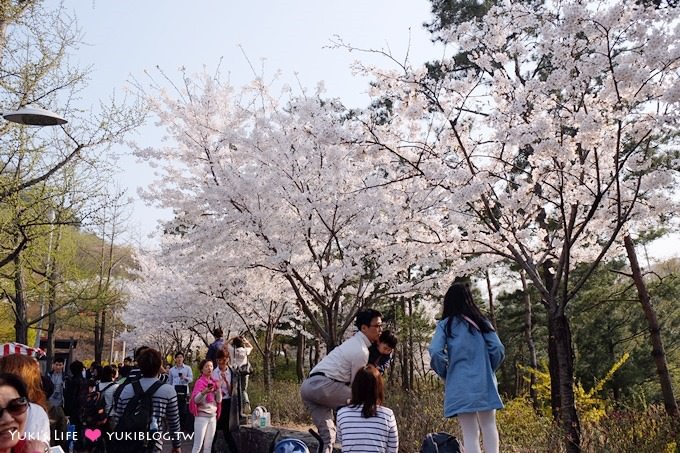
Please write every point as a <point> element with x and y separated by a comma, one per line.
<point>466,352</point>
<point>328,385</point>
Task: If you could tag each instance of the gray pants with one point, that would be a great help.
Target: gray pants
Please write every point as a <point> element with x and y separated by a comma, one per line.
<point>321,396</point>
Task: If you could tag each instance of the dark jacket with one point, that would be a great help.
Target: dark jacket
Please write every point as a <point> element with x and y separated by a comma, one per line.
<point>75,394</point>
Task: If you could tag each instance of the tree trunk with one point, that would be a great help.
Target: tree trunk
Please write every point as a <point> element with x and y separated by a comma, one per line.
<point>331,327</point>
<point>406,383</point>
<point>300,357</point>
<point>52,302</point>
<point>411,346</point>
<point>553,369</point>
<point>52,318</point>
<point>658,351</point>
<point>99,333</point>
<point>529,337</point>
<point>267,359</point>
<point>563,366</point>
<point>310,358</point>
<point>267,369</point>
<point>20,321</point>
<point>99,348</point>
<point>317,352</point>
<point>492,310</point>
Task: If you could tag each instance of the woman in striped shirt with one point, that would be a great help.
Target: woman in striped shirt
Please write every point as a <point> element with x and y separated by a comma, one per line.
<point>365,425</point>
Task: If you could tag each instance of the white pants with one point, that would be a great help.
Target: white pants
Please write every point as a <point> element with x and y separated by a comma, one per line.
<point>471,423</point>
<point>204,433</point>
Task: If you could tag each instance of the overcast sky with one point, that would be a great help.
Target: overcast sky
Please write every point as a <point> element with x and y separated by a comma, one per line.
<point>123,38</point>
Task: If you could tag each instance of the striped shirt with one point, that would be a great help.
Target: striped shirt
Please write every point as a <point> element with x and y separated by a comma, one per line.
<point>367,435</point>
<point>164,408</point>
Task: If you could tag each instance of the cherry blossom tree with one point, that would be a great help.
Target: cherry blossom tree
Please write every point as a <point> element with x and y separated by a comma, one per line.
<point>551,130</point>
<point>264,307</point>
<point>163,301</point>
<point>282,184</point>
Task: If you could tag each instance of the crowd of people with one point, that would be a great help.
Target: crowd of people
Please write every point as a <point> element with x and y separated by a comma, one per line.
<point>85,410</point>
<point>344,392</point>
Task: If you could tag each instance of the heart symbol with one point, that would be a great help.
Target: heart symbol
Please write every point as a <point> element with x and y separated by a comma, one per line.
<point>93,434</point>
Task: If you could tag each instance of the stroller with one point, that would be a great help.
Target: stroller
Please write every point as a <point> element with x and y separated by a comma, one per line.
<point>294,445</point>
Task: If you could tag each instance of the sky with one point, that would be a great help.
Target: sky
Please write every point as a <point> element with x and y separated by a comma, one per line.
<point>124,38</point>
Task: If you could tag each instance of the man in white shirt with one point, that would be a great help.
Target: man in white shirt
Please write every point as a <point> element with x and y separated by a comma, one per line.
<point>180,376</point>
<point>329,383</point>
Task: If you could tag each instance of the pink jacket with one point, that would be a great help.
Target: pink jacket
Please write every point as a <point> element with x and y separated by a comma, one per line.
<point>202,383</point>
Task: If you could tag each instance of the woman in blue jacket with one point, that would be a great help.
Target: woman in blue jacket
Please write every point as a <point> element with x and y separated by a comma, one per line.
<point>465,352</point>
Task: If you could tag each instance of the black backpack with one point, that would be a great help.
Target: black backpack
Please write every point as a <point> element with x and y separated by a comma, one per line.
<point>93,414</point>
<point>440,443</point>
<point>131,432</point>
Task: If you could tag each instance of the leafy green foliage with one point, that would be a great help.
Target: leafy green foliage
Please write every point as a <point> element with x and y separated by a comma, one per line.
<point>420,411</point>
<point>449,12</point>
<point>510,320</point>
<point>609,322</point>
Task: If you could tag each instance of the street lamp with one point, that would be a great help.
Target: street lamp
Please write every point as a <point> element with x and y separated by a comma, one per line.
<point>34,116</point>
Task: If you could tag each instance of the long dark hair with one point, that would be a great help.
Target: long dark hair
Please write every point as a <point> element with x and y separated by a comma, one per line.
<point>367,390</point>
<point>458,302</point>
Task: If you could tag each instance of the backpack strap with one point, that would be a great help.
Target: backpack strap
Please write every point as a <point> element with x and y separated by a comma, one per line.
<point>119,390</point>
<point>105,388</point>
<point>137,387</point>
<point>139,394</point>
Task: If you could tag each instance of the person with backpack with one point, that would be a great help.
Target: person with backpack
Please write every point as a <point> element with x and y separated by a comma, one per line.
<point>143,407</point>
<point>466,352</point>
<point>365,424</point>
<point>75,395</point>
<point>107,386</point>
<point>97,409</point>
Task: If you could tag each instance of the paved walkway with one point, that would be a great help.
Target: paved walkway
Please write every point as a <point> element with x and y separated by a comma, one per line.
<point>186,446</point>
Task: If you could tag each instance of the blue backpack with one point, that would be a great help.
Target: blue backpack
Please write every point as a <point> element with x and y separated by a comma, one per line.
<point>290,446</point>
<point>440,443</point>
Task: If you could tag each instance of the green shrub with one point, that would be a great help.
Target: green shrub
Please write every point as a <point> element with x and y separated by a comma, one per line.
<point>641,431</point>
<point>521,429</point>
<point>284,403</point>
